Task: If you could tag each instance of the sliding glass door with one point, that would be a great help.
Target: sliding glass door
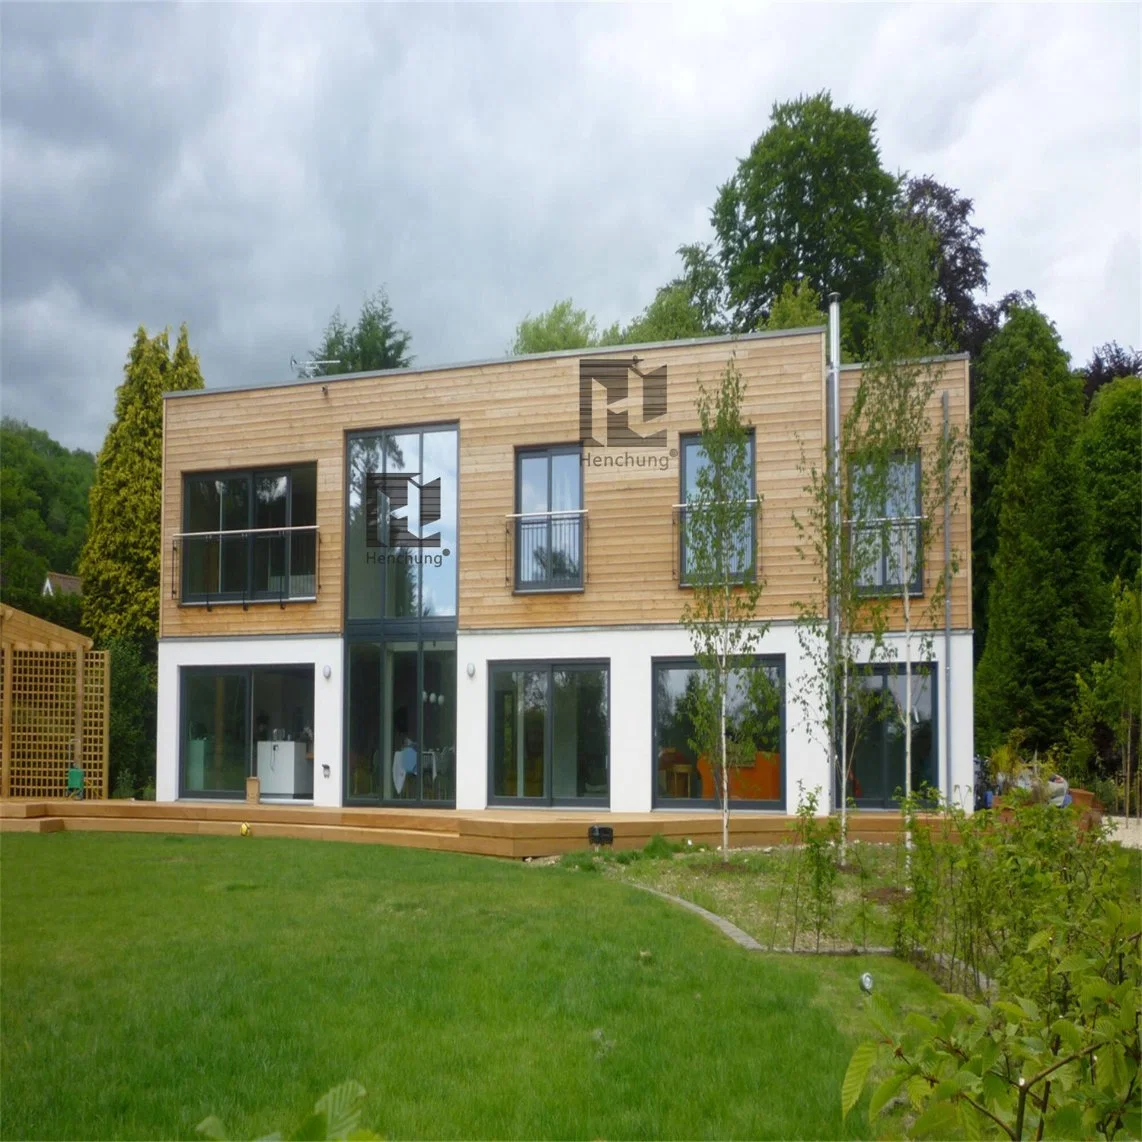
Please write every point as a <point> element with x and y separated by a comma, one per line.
<point>549,734</point>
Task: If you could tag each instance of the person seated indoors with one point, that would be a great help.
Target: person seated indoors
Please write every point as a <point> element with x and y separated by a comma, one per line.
<point>405,757</point>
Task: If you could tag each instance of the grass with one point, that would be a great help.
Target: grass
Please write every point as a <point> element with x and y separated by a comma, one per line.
<point>757,890</point>
<point>148,981</point>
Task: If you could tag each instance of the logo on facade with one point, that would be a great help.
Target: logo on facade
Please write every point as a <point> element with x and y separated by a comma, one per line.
<point>610,413</point>
<point>399,510</point>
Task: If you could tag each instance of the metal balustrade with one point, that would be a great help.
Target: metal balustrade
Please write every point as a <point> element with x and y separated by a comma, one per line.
<point>246,565</point>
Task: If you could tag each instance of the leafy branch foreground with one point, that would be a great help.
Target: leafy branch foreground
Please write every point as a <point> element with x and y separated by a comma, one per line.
<point>1050,910</point>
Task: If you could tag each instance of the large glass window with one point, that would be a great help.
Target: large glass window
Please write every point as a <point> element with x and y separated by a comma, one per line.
<point>402,523</point>
<point>240,722</point>
<point>734,548</point>
<point>886,526</point>
<point>549,520</point>
<point>880,732</point>
<point>402,721</point>
<point>549,733</point>
<point>250,535</point>
<point>755,706</point>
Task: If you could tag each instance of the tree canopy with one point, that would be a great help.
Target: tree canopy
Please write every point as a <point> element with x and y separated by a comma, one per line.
<point>376,342</point>
<point>1027,344</point>
<point>811,201</point>
<point>43,505</point>
<point>1048,606</point>
<point>560,327</point>
<point>120,560</point>
<point>1111,451</point>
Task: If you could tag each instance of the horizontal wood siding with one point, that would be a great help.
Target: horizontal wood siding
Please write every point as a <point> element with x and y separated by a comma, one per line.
<point>631,543</point>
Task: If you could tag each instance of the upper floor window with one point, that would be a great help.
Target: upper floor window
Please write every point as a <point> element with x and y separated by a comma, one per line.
<point>712,546</point>
<point>250,535</point>
<point>886,526</point>
<point>549,519</point>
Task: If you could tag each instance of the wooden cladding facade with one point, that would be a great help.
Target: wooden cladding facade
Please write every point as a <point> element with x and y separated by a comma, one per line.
<point>629,493</point>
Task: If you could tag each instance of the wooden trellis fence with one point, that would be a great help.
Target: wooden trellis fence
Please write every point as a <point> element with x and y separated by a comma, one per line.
<point>55,708</point>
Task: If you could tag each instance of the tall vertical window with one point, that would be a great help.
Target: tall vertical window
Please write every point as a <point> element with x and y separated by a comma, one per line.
<point>549,733</point>
<point>401,555</point>
<point>886,526</point>
<point>250,535</point>
<point>549,520</point>
<point>739,547</point>
<point>880,749</point>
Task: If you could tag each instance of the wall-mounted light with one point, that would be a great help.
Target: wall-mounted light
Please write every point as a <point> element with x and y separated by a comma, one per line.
<point>327,672</point>
<point>325,769</point>
<point>471,670</point>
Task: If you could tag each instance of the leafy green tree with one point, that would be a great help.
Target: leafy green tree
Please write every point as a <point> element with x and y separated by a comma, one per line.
<point>1106,363</point>
<point>120,560</point>
<point>811,201</point>
<point>671,316</point>
<point>43,505</point>
<point>721,569</point>
<point>376,342</point>
<point>560,327</point>
<point>795,307</point>
<point>961,271</point>
<point>1111,450</point>
<point>1048,601</point>
<point>1026,345</point>
<point>134,702</point>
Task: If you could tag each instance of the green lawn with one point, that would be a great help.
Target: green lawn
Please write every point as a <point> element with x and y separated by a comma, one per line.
<point>148,981</point>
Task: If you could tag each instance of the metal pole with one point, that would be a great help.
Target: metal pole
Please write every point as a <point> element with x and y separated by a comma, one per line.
<point>834,460</point>
<point>947,608</point>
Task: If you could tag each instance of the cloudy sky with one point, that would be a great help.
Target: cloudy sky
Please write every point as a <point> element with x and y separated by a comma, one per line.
<point>247,169</point>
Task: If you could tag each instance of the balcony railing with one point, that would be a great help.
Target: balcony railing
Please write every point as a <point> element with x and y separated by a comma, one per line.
<point>887,554</point>
<point>745,550</point>
<point>247,565</point>
<point>545,551</point>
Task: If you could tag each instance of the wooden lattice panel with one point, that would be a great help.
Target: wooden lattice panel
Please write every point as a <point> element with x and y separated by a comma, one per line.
<point>96,718</point>
<point>44,719</point>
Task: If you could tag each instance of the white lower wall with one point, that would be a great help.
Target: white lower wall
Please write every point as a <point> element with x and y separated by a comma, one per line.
<point>319,652</point>
<point>629,652</point>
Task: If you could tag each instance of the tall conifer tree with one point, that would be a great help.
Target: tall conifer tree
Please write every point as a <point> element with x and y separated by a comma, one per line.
<point>120,561</point>
<point>1048,603</point>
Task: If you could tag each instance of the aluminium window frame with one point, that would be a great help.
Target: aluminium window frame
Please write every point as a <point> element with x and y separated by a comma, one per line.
<point>886,524</point>
<point>689,662</point>
<point>248,595</point>
<point>685,438</point>
<point>550,665</point>
<point>548,451</point>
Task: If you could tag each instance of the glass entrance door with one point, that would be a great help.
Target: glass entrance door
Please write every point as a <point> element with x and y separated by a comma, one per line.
<point>402,722</point>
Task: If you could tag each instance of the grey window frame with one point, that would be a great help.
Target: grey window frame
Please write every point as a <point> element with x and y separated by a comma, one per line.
<point>550,665</point>
<point>688,662</point>
<point>248,595</point>
<point>684,439</point>
<point>548,586</point>
<point>915,588</point>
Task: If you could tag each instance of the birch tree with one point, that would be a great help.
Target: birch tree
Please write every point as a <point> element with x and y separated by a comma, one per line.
<point>719,563</point>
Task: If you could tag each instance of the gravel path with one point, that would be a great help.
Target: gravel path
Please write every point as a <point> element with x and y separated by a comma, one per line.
<point>1128,832</point>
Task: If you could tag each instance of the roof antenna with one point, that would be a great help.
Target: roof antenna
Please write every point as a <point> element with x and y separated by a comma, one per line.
<point>309,369</point>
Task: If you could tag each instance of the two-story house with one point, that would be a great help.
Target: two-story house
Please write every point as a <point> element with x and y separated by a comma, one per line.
<point>462,586</point>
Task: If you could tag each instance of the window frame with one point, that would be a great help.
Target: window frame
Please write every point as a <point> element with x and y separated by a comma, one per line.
<point>884,524</point>
<point>749,573</point>
<point>689,662</point>
<point>550,665</point>
<point>882,671</point>
<point>248,594</point>
<point>547,586</point>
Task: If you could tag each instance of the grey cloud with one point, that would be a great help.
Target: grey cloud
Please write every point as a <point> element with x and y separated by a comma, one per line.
<point>248,168</point>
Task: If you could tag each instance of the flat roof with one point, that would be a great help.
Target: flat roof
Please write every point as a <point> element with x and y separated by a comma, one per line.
<point>586,351</point>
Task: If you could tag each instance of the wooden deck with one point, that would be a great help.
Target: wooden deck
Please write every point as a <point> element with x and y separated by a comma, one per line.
<point>511,833</point>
